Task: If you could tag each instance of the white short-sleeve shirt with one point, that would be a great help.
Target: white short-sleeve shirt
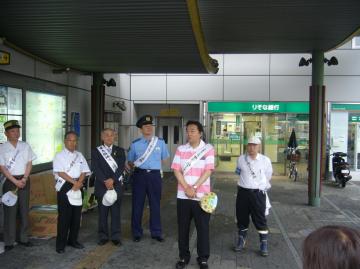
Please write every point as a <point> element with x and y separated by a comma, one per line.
<point>63,163</point>
<point>254,173</point>
<point>22,154</point>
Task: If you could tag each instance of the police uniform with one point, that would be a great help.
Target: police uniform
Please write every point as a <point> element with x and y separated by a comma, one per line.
<point>68,215</point>
<point>254,181</point>
<point>102,172</point>
<point>15,160</point>
<point>147,182</point>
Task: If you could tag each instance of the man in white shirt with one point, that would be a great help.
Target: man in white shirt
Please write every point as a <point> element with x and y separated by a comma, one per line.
<point>16,162</point>
<point>255,171</point>
<point>70,169</point>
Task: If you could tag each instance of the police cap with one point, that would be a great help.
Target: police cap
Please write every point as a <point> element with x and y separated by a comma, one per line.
<point>146,119</point>
<point>11,124</point>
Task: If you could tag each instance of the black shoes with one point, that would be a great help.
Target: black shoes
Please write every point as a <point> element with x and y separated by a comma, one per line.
<point>76,245</point>
<point>181,264</point>
<point>60,251</point>
<point>202,264</point>
<point>116,242</point>
<point>158,238</point>
<point>8,248</point>
<point>26,244</point>
<point>137,238</point>
<point>102,242</point>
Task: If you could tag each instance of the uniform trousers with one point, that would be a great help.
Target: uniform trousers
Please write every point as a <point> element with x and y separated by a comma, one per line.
<point>251,202</point>
<point>11,212</point>
<point>103,227</point>
<point>146,183</point>
<point>186,211</point>
<point>68,218</point>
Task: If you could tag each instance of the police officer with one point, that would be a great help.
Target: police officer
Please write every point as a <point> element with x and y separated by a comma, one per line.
<point>70,169</point>
<point>108,162</point>
<point>145,156</point>
<point>16,162</point>
<point>255,173</point>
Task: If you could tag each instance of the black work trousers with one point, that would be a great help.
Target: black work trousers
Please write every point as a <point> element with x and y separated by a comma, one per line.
<point>21,208</point>
<point>68,219</point>
<point>103,227</point>
<point>251,202</point>
<point>186,211</point>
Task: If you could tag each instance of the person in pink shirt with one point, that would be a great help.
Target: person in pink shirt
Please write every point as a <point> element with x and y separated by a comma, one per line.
<point>193,164</point>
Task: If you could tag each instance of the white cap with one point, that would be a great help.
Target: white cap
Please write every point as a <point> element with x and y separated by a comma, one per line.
<point>254,140</point>
<point>74,197</point>
<point>9,198</point>
<point>109,198</point>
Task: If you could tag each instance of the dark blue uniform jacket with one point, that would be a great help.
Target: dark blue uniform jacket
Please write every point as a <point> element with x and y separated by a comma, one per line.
<point>102,170</point>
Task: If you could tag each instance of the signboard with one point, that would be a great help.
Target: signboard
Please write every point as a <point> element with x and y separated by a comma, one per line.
<point>345,107</point>
<point>259,107</point>
<point>354,117</point>
<point>4,57</point>
<point>75,122</point>
<point>169,112</point>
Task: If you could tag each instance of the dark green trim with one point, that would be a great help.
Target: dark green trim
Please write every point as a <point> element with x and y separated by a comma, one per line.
<point>259,107</point>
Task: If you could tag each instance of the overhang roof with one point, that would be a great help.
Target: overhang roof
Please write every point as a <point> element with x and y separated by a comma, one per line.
<point>164,36</point>
<point>278,26</point>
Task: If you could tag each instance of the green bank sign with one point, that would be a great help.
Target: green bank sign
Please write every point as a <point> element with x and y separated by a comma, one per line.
<point>259,107</point>
<point>345,107</point>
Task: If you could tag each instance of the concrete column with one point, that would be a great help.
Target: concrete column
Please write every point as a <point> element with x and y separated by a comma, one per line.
<point>97,108</point>
<point>317,110</point>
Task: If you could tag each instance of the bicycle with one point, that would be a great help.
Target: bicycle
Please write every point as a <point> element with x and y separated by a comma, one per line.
<point>293,171</point>
<point>293,156</point>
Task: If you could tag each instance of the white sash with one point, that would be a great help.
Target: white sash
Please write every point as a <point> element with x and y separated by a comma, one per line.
<point>109,159</point>
<point>59,182</point>
<point>197,156</point>
<point>147,152</point>
<point>267,204</point>
<point>11,163</point>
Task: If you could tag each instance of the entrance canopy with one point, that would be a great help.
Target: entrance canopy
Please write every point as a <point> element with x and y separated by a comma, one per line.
<point>171,36</point>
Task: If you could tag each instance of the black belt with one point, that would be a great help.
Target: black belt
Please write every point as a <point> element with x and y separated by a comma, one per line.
<point>251,190</point>
<point>19,177</point>
<point>139,170</point>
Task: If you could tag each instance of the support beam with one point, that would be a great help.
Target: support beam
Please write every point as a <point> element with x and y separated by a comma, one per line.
<point>97,108</point>
<point>317,110</point>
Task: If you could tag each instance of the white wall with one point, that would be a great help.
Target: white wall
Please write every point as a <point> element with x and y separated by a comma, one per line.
<point>254,77</point>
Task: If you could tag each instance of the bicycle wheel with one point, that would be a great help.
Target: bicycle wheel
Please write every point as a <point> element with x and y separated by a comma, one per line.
<point>290,170</point>
<point>295,173</point>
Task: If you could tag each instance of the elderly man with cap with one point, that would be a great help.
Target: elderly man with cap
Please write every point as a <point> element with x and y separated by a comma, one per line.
<point>16,162</point>
<point>108,163</point>
<point>70,169</point>
<point>255,171</point>
<point>145,156</point>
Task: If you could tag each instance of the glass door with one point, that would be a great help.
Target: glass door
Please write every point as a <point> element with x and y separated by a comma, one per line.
<point>170,129</point>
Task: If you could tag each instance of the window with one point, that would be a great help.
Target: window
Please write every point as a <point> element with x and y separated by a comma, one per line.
<point>45,124</point>
<point>10,108</point>
<point>356,42</point>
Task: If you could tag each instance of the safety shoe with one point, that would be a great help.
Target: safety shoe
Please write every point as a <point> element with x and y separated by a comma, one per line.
<point>264,245</point>
<point>241,241</point>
